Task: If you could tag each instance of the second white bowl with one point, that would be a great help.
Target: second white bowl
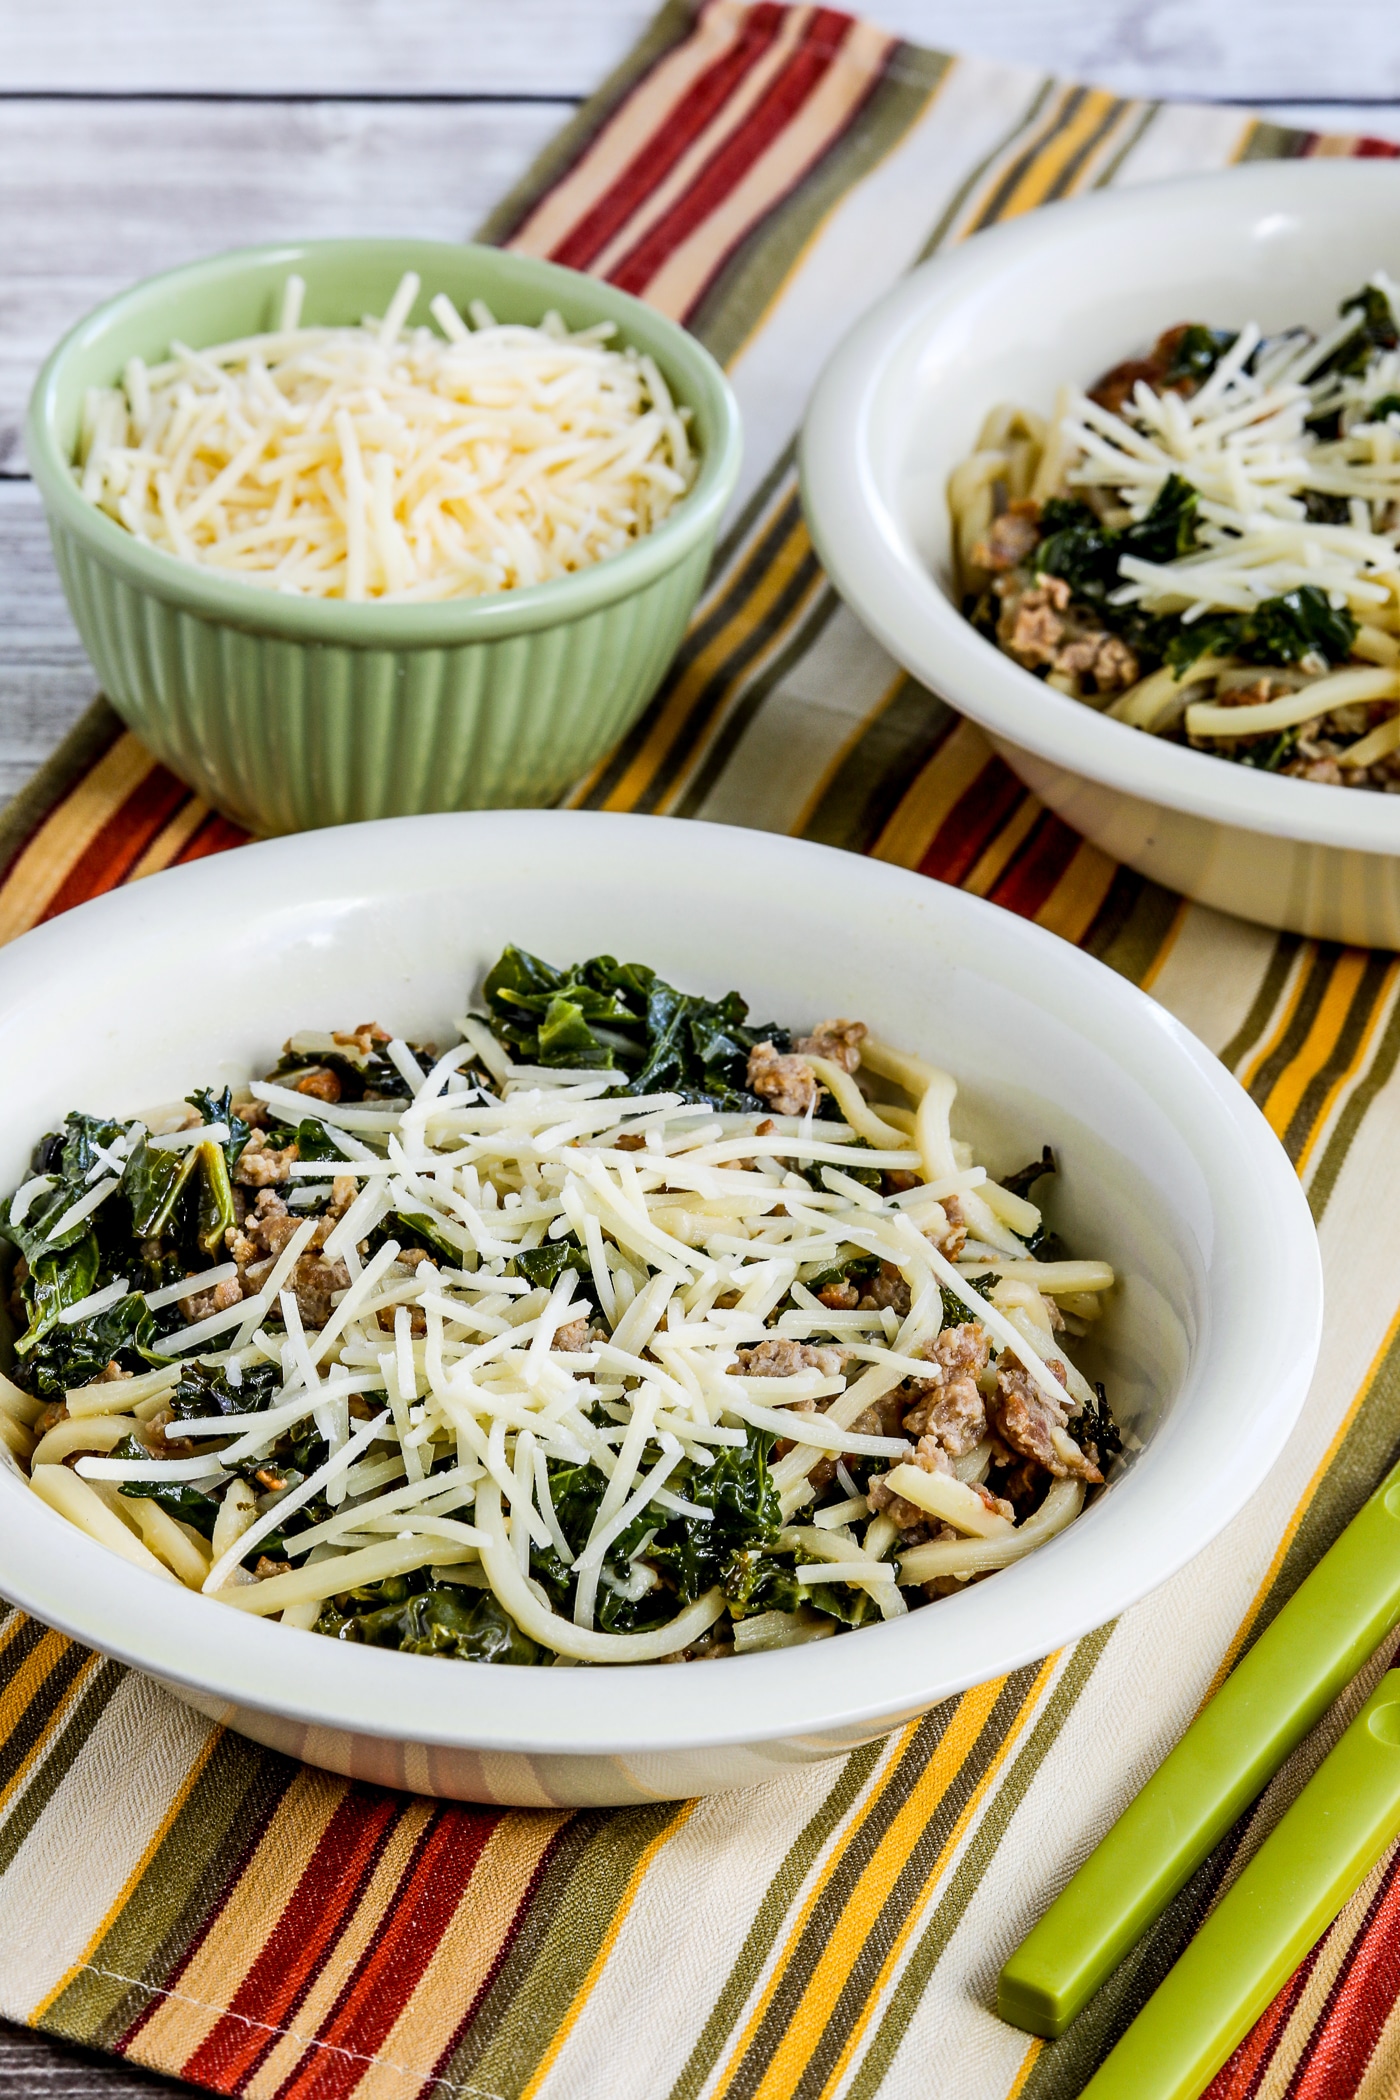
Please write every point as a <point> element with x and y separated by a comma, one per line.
<point>1061,295</point>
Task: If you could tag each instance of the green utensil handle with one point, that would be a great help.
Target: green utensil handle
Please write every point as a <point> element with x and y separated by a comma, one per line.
<point>1321,1638</point>
<point>1260,1930</point>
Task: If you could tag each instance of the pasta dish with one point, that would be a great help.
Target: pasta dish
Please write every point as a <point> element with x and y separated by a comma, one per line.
<point>1205,545</point>
<point>624,1329</point>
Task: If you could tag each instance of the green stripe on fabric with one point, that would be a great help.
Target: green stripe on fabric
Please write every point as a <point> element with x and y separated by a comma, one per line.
<point>58,1760</point>
<point>230,1801</point>
<point>1108,173</point>
<point>783,1891</point>
<point>1064,182</point>
<point>951,1907</point>
<point>972,182</point>
<point>913,1877</point>
<point>733,306</point>
<point>669,28</point>
<point>94,732</point>
<point>1275,142</point>
<point>1317,979</point>
<point>1131,925</point>
<point>34,1723</point>
<point>835,1895</point>
<point>725,741</point>
<point>1071,101</point>
<point>573,1909</point>
<point>875,774</point>
<point>1263,1003</point>
<point>1382,1066</point>
<point>1359,1016</point>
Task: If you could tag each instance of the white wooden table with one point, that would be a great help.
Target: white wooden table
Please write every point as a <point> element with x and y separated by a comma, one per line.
<point>137,137</point>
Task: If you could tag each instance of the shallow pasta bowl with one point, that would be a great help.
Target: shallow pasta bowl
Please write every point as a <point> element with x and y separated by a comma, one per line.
<point>286,711</point>
<point>1060,296</point>
<point>1167,1170</point>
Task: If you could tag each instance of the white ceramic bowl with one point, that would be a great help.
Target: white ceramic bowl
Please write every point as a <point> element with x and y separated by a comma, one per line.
<point>1061,295</point>
<point>1168,1170</point>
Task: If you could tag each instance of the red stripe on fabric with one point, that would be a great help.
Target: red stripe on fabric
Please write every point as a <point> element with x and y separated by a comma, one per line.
<point>1359,2003</point>
<point>1034,871</point>
<point>1240,2077</point>
<point>1375,149</point>
<point>655,160</point>
<point>422,1908</point>
<point>969,829</point>
<point>215,834</point>
<point>114,852</point>
<point>798,81</point>
<point>438,2076</point>
<point>300,1941</point>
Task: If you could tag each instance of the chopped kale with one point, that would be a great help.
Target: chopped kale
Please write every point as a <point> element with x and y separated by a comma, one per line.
<point>1083,551</point>
<point>444,1619</point>
<point>1325,510</point>
<point>1025,1178</point>
<point>544,1265</point>
<point>204,1391</point>
<point>73,1353</point>
<point>955,1313</point>
<point>1197,352</point>
<point>1267,754</point>
<point>218,1108</point>
<point>1375,330</point>
<point>1388,405</point>
<point>1302,622</point>
<point>1095,1425</point>
<point>178,1498</point>
<point>602,1015</point>
<point>855,1270</point>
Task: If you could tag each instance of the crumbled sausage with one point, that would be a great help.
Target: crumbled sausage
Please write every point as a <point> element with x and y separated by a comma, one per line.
<point>321,1083</point>
<point>417,1320</point>
<point>786,1083</point>
<point>838,1041</point>
<point>954,1237</point>
<point>315,1281</point>
<point>1026,1417</point>
<point>261,1165</point>
<point>930,1457</point>
<point>781,1358</point>
<point>839,1297</point>
<point>886,1290</point>
<point>1011,538</point>
<point>1038,627</point>
<point>574,1337</point>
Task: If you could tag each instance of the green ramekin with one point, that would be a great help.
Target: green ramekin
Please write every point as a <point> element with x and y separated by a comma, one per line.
<point>287,713</point>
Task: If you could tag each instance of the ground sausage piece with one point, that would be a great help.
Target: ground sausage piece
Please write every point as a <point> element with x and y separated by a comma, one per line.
<point>955,1236</point>
<point>930,1457</point>
<point>1116,387</point>
<point>787,1084</point>
<point>261,1165</point>
<point>1011,538</point>
<point>322,1084</point>
<point>950,1407</point>
<point>574,1337</point>
<point>315,1280</point>
<point>781,1358</point>
<point>1102,657</point>
<point>839,1297</point>
<point>417,1320</point>
<point>1037,626</point>
<point>1025,1416</point>
<point>887,1290</point>
<point>839,1041</point>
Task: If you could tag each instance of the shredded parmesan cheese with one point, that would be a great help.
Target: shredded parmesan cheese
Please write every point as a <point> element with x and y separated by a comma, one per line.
<point>391,463</point>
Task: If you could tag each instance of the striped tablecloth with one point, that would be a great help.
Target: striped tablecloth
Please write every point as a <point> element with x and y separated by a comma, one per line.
<point>182,1897</point>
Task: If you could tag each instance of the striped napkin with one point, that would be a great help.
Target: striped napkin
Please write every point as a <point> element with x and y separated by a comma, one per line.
<point>176,1894</point>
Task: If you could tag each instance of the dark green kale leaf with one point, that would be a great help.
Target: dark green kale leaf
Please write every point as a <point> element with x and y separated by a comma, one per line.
<point>1266,754</point>
<point>445,1619</point>
<point>70,1155</point>
<point>955,1313</point>
<point>56,1281</point>
<point>602,1015</point>
<point>1095,1425</point>
<point>204,1391</point>
<point>362,1075</point>
<point>178,1498</point>
<point>1197,352</point>
<point>1375,330</point>
<point>1083,551</point>
<point>1301,622</point>
<point>1388,405</point>
<point>855,1270</point>
<point>544,1265</point>
<point>218,1108</point>
<point>1325,510</point>
<point>312,1141</point>
<point>62,1355</point>
<point>747,1518</point>
<point>1025,1178</point>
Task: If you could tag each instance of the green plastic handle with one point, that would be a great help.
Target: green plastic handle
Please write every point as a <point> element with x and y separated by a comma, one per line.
<point>1260,1930</point>
<point>1330,1626</point>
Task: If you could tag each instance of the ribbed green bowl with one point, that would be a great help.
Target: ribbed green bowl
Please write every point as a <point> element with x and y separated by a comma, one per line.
<point>287,713</point>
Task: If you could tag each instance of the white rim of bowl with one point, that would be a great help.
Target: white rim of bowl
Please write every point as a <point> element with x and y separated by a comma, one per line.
<point>871,559</point>
<point>1260,1219</point>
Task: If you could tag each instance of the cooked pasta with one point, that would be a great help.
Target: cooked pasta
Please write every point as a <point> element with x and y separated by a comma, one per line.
<point>1205,545</point>
<point>621,1330</point>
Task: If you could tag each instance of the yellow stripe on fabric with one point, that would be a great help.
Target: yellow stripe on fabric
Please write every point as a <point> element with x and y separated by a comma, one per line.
<point>1028,2064</point>
<point>1286,1095</point>
<point>865,1902</point>
<point>21,1692</point>
<point>1054,154</point>
<point>671,722</point>
<point>1164,953</point>
<point>935,794</point>
<point>40,870</point>
<point>600,1960</point>
<point>1077,898</point>
<point>905,1834</point>
<point>1379,1009</point>
<point>12,1627</point>
<point>133,1879</point>
<point>171,840</point>
<point>1290,1000</point>
<point>839,758</point>
<point>1300,1511</point>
